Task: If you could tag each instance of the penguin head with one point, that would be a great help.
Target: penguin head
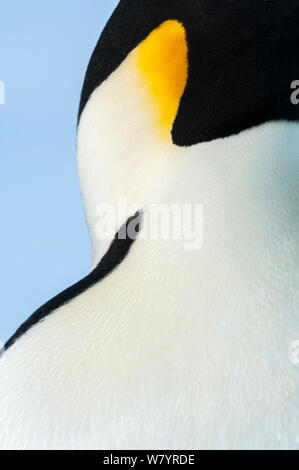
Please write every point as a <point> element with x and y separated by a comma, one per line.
<point>170,75</point>
<point>228,64</point>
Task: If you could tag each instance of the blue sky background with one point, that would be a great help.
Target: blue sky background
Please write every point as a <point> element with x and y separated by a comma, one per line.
<point>44,51</point>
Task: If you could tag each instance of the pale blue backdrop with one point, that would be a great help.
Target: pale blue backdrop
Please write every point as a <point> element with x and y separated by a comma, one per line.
<point>44,51</point>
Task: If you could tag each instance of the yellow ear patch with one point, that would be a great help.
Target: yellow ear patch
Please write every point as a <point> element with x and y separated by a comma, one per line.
<point>162,60</point>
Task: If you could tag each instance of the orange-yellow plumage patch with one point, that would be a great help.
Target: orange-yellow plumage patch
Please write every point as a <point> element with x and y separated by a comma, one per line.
<point>162,60</point>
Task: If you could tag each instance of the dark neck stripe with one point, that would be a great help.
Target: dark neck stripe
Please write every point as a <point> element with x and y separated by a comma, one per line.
<point>116,254</point>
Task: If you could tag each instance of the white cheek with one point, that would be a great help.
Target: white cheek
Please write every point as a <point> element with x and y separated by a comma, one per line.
<point>120,152</point>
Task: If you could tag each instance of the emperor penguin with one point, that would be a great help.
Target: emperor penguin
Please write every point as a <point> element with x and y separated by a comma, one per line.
<point>185,103</point>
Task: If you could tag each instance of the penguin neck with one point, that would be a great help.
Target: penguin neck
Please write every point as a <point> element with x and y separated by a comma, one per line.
<point>246,184</point>
<point>239,289</point>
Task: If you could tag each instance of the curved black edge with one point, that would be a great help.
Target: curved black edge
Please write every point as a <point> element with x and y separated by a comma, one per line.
<point>243,57</point>
<point>116,254</point>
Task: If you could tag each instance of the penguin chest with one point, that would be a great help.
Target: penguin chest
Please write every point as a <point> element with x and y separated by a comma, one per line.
<point>162,361</point>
